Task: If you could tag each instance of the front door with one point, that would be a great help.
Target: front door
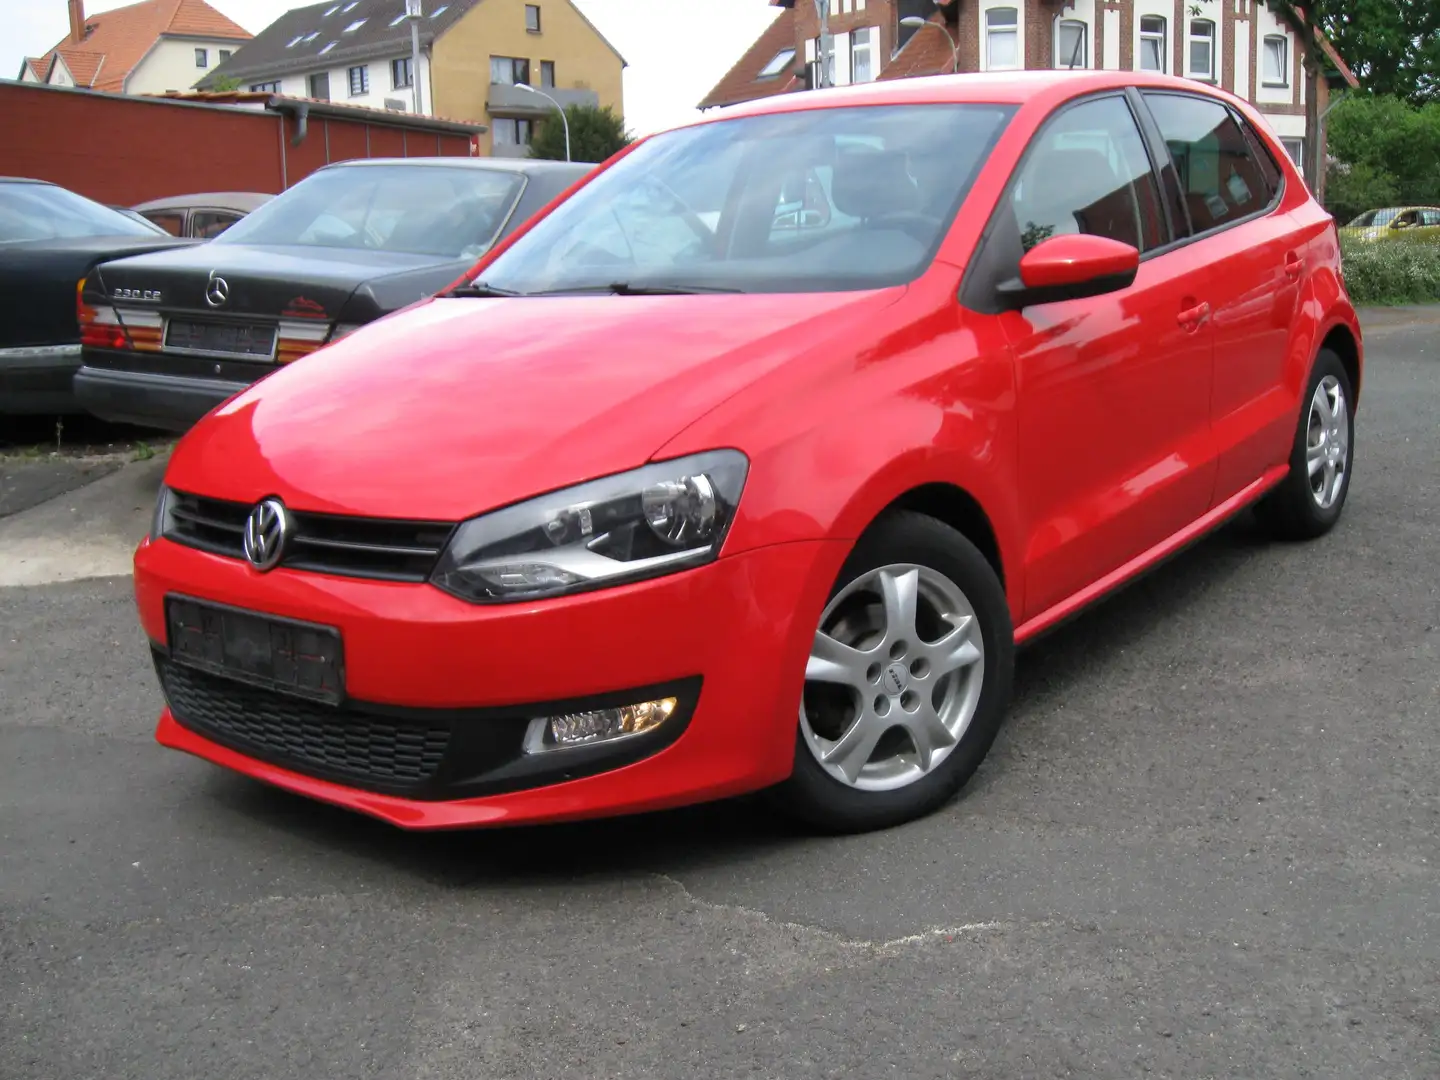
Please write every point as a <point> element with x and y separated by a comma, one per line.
<point>1113,391</point>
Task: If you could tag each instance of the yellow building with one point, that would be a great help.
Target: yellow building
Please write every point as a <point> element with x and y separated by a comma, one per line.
<point>474,58</point>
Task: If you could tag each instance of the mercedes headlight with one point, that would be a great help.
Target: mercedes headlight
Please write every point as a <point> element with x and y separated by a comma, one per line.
<point>656,520</point>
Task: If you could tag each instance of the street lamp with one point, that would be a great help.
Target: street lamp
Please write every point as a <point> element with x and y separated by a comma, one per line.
<point>413,15</point>
<point>565,119</point>
<point>916,22</point>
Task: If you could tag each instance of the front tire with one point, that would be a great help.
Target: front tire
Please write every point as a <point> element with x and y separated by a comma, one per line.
<point>1308,502</point>
<point>908,679</point>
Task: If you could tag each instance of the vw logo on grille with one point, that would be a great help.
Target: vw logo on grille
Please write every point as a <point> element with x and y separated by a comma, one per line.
<point>266,531</point>
<point>217,290</point>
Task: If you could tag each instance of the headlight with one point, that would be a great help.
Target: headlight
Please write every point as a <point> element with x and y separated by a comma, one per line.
<point>655,520</point>
<point>160,521</point>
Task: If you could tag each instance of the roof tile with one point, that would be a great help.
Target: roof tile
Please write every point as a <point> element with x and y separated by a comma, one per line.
<point>743,82</point>
<point>117,40</point>
<point>926,53</point>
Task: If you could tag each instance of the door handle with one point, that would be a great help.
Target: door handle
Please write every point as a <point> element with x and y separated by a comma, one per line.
<point>1292,266</point>
<point>1190,318</point>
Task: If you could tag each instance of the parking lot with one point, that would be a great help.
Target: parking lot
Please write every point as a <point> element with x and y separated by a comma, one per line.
<point>1205,845</point>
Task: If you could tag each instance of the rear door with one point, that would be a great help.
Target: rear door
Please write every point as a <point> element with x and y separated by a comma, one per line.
<point>1231,190</point>
<point>1113,391</point>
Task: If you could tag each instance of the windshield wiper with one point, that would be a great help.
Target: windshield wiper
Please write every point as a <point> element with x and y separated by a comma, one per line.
<point>624,288</point>
<point>478,288</point>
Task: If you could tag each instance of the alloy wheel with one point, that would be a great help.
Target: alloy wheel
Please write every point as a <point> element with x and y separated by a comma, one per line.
<point>1327,442</point>
<point>893,679</point>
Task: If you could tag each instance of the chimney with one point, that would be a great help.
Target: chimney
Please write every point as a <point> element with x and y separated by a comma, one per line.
<point>77,21</point>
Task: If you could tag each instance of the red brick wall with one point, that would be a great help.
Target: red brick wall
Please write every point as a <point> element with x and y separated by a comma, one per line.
<point>129,150</point>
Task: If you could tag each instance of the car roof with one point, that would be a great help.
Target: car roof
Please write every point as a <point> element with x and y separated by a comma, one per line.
<point>225,200</point>
<point>25,180</point>
<point>520,165</point>
<point>990,88</point>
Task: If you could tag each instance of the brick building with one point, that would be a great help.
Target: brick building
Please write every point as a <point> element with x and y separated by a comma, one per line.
<point>1240,45</point>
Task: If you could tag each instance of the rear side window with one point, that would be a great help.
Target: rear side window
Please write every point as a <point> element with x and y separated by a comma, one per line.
<point>1220,176</point>
<point>1088,172</point>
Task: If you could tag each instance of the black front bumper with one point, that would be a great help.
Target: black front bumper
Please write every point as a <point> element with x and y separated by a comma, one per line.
<point>37,380</point>
<point>159,391</point>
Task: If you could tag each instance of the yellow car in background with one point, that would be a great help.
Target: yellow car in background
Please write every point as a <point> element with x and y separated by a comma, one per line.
<point>1397,222</point>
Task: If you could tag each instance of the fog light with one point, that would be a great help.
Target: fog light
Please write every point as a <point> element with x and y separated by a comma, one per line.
<point>597,726</point>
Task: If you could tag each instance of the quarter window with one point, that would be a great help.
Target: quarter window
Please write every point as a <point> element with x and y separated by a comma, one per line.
<point>1202,48</point>
<point>1220,176</point>
<point>1002,39</point>
<point>1276,61</point>
<point>1070,44</point>
<point>1089,173</point>
<point>1153,37</point>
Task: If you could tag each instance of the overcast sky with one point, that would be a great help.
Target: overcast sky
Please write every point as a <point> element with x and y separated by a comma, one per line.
<point>677,49</point>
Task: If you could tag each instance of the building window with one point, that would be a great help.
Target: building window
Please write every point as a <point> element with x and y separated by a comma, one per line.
<point>356,25</point>
<point>862,54</point>
<point>202,57</point>
<point>777,64</point>
<point>509,70</point>
<point>402,73</point>
<point>532,18</point>
<point>319,86</point>
<point>1277,56</point>
<point>359,80</point>
<point>224,55</point>
<point>265,88</point>
<point>1152,43</point>
<point>1070,45</point>
<point>547,74</point>
<point>1296,149</point>
<point>512,132</point>
<point>1202,48</point>
<point>1002,39</point>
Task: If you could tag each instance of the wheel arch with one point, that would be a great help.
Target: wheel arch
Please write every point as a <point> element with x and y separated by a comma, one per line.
<point>1341,340</point>
<point>958,508</point>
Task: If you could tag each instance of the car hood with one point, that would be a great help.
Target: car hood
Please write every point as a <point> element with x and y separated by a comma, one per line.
<point>458,406</point>
<point>268,280</point>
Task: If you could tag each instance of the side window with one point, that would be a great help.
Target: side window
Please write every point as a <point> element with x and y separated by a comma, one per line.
<point>1268,166</point>
<point>1430,218</point>
<point>208,223</point>
<point>1088,173</point>
<point>173,223</point>
<point>1219,175</point>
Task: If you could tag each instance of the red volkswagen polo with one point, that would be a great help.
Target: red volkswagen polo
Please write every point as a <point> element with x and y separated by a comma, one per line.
<point>748,464</point>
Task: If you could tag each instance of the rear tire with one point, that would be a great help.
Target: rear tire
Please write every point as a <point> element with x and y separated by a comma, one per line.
<point>1309,501</point>
<point>907,683</point>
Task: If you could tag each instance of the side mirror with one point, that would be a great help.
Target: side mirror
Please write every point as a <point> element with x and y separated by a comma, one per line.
<point>1071,267</point>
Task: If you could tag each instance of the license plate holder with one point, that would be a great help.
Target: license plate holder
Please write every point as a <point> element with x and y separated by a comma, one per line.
<point>300,659</point>
<point>240,341</point>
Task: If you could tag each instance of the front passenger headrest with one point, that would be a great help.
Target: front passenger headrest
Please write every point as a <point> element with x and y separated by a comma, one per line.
<point>870,182</point>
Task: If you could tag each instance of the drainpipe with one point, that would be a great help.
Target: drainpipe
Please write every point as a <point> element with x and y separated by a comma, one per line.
<point>302,123</point>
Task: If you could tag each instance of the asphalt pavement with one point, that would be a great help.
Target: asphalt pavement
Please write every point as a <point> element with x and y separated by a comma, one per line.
<point>1206,844</point>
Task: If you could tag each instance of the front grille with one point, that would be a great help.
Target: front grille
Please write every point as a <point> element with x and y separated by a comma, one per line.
<point>381,548</point>
<point>343,744</point>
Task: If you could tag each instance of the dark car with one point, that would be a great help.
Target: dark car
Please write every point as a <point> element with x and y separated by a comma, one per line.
<point>345,246</point>
<point>203,216</point>
<point>50,239</point>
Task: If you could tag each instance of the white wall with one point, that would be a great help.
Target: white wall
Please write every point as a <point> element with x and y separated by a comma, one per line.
<point>170,65</point>
<point>60,74</point>
<point>1166,10</point>
<point>1111,59</point>
<point>986,5</point>
<point>381,85</point>
<point>1286,126</point>
<point>1214,11</point>
<point>1243,60</point>
<point>1267,24</point>
<point>1081,11</point>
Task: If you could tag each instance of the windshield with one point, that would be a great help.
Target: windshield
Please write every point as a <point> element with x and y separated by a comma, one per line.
<point>813,200</point>
<point>453,213</point>
<point>46,212</point>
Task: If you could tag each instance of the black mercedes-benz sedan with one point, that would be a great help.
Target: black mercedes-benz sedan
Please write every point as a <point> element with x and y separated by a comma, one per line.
<point>50,239</point>
<point>170,336</point>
